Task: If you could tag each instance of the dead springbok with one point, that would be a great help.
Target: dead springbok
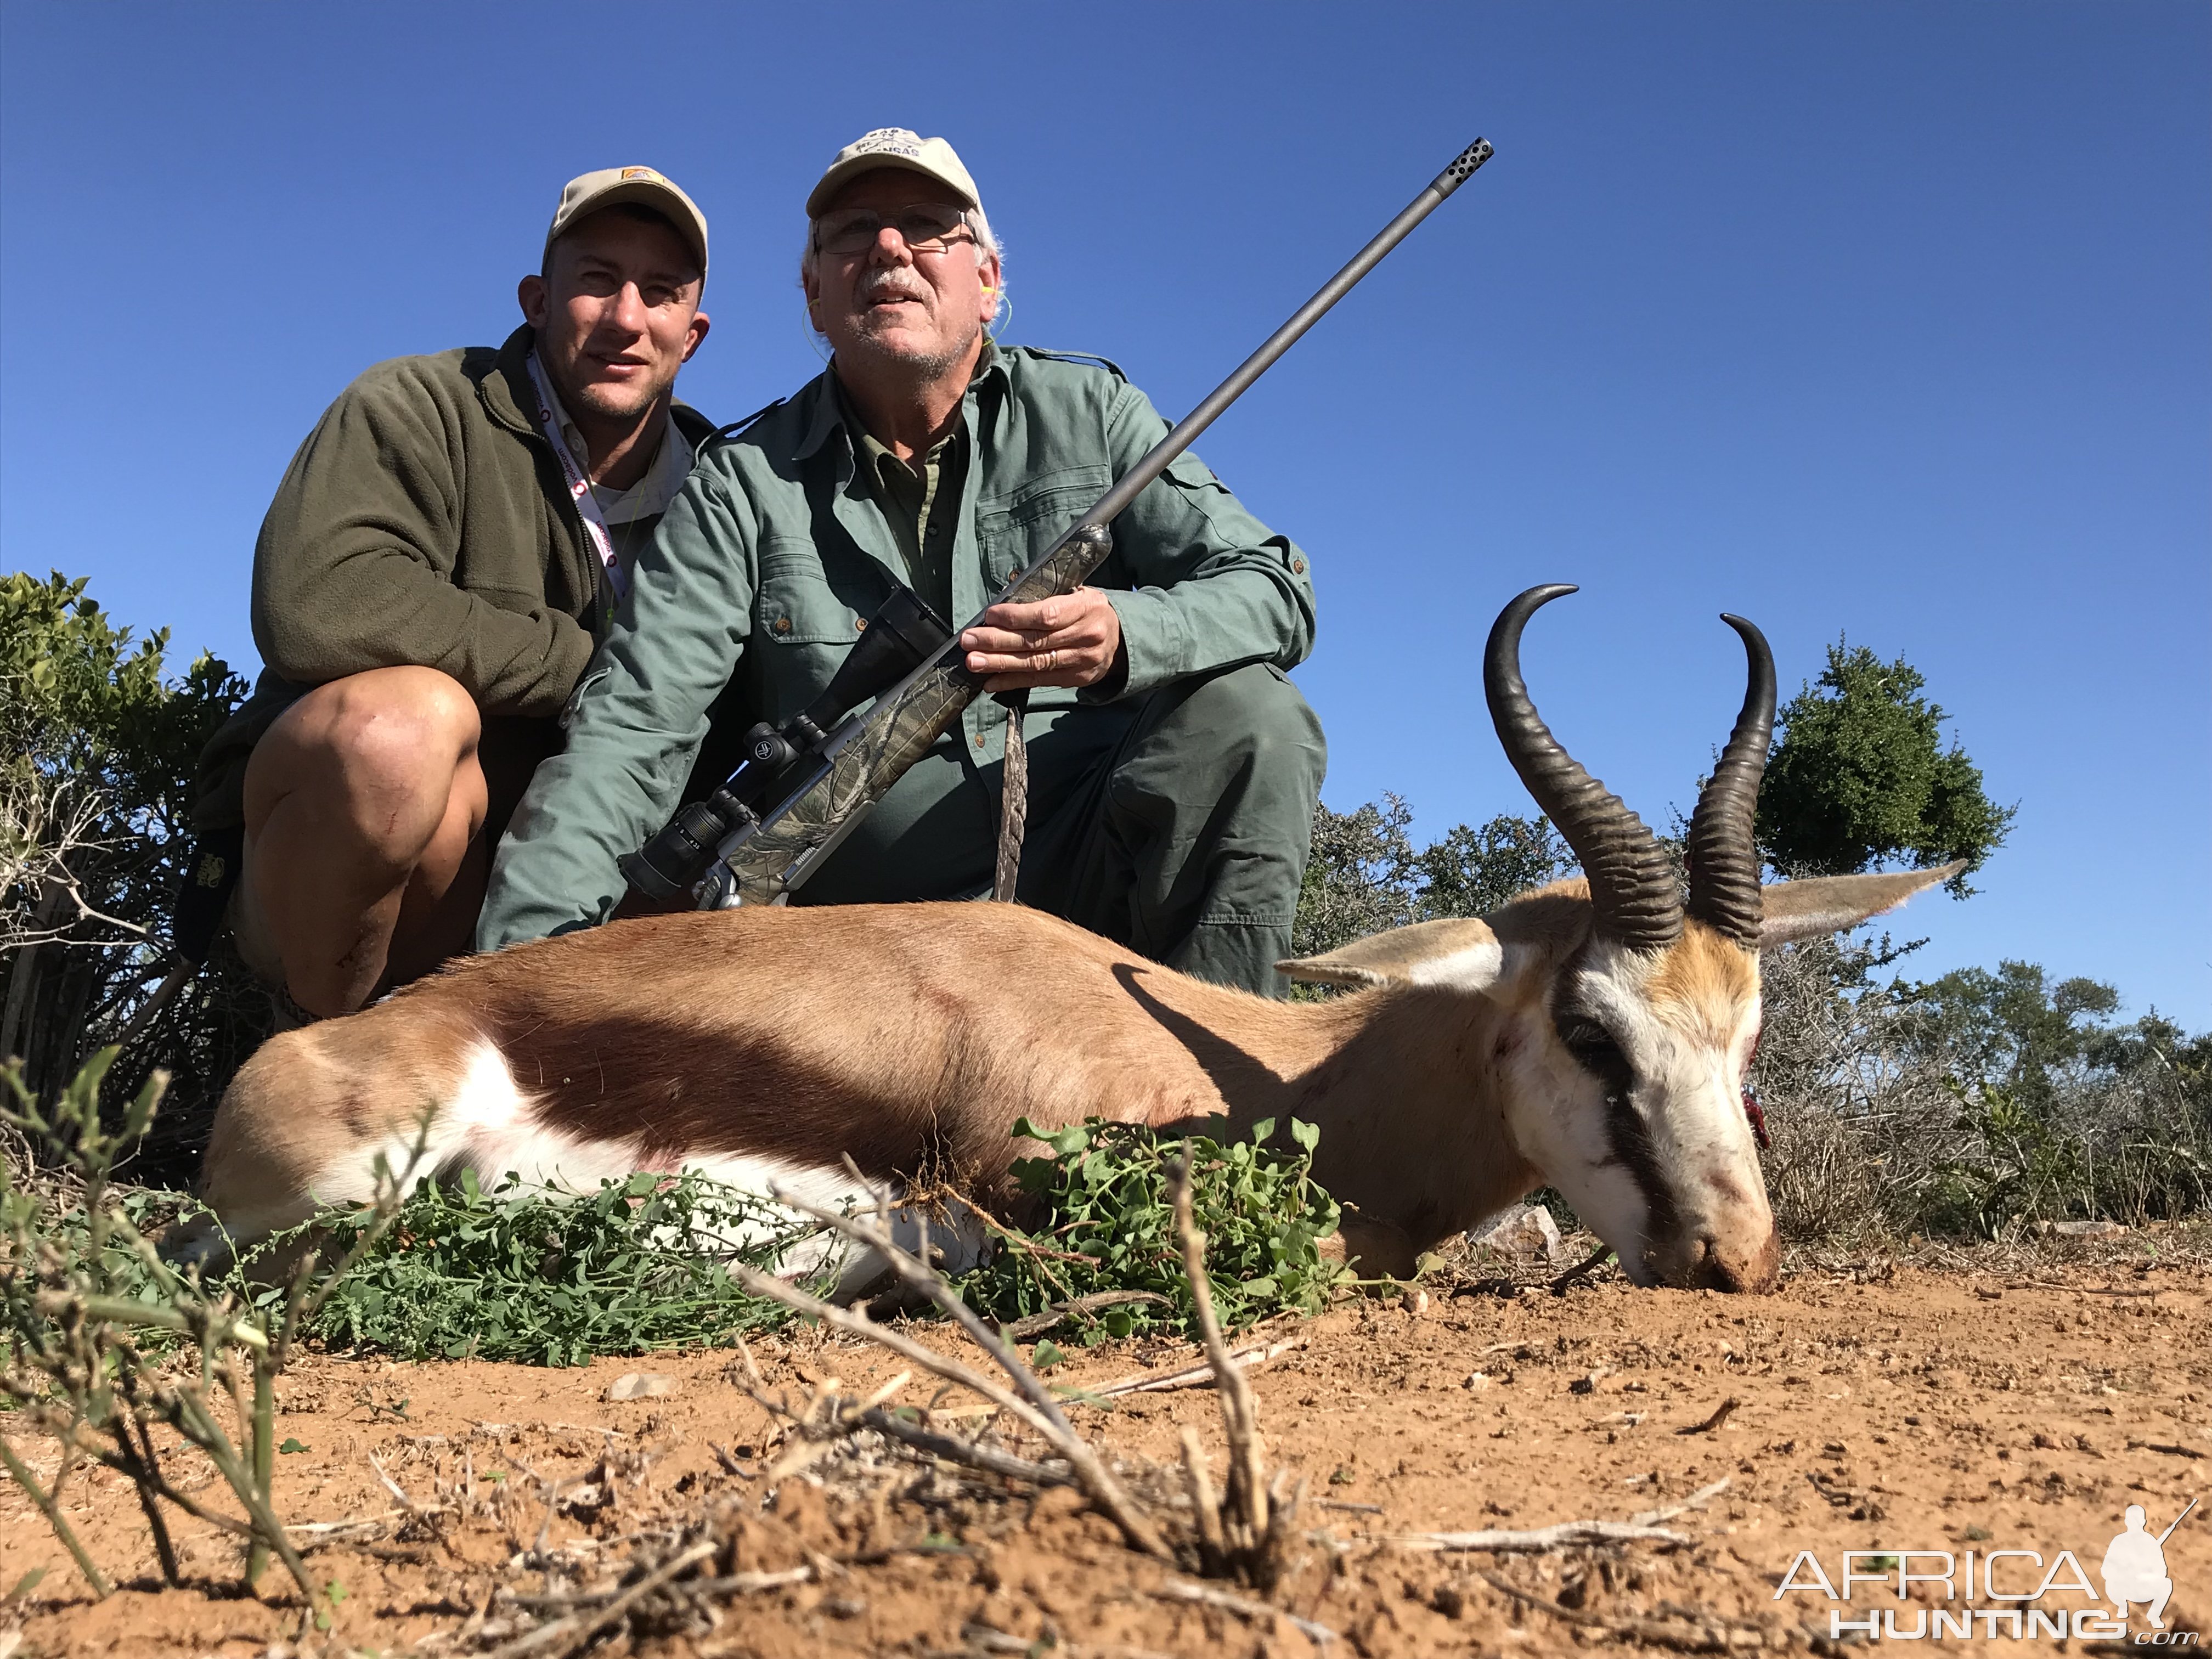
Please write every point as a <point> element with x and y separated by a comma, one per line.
<point>1593,1035</point>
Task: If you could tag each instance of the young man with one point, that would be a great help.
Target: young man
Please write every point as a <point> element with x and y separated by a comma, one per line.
<point>1173,767</point>
<point>437,567</point>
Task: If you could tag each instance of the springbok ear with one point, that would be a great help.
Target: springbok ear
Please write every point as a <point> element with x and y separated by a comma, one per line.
<point>1459,952</point>
<point>1829,904</point>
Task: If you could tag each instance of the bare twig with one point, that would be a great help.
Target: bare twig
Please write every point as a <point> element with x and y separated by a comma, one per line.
<point>1565,1535</point>
<point>955,1449</point>
<point>1720,1416</point>
<point>1581,1270</point>
<point>2093,1289</point>
<point>1255,1532</point>
<point>566,1635</point>
<point>1205,1507</point>
<point>1696,1500</point>
<point>1045,1419</point>
<point>2172,1450</point>
<point>1250,1358</point>
<point>1022,1330</point>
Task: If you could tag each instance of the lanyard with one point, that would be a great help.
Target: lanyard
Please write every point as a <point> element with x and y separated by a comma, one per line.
<point>579,487</point>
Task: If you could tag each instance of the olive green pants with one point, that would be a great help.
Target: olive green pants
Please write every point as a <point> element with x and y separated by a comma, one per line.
<point>1176,823</point>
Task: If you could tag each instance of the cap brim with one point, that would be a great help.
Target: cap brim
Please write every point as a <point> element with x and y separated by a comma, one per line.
<point>835,180</point>
<point>644,192</point>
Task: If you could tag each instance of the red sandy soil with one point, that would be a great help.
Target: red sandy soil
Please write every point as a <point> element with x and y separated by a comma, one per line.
<point>1997,1403</point>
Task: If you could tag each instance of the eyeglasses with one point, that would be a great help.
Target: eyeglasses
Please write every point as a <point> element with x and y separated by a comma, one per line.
<point>925,227</point>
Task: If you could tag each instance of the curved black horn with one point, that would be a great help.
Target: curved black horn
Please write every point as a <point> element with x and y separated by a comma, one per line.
<point>1631,885</point>
<point>1724,892</point>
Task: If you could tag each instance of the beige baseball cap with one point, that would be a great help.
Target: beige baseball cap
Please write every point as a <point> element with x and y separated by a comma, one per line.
<point>894,147</point>
<point>588,193</point>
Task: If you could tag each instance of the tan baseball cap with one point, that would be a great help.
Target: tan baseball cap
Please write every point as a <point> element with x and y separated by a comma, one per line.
<point>894,147</point>
<point>588,193</point>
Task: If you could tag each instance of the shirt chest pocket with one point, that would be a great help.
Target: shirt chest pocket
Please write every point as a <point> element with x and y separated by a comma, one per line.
<point>804,622</point>
<point>1013,531</point>
<point>798,602</point>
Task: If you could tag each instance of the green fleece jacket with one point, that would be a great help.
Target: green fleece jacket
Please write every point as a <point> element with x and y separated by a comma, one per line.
<point>424,521</point>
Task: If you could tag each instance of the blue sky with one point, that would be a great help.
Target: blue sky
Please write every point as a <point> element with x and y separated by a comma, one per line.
<point>1888,321</point>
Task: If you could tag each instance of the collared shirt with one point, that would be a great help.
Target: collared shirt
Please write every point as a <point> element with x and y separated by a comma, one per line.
<point>632,513</point>
<point>921,498</point>
<point>770,563</point>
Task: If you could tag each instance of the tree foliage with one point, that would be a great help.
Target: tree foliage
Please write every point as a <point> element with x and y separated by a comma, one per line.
<point>1860,779</point>
<point>97,751</point>
<point>1365,875</point>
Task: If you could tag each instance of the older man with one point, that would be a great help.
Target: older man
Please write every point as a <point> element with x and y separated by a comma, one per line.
<point>1173,767</point>
<point>437,567</point>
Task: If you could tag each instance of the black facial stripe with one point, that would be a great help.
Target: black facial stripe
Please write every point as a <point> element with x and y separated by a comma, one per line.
<point>1596,1051</point>
<point>1632,1145</point>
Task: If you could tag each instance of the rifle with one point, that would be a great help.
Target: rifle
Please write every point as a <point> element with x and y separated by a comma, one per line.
<point>804,786</point>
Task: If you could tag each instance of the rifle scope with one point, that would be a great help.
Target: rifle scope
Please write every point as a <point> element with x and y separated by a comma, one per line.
<point>902,634</point>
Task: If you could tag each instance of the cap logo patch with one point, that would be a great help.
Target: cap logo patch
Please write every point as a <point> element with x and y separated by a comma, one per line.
<point>887,141</point>
<point>628,174</point>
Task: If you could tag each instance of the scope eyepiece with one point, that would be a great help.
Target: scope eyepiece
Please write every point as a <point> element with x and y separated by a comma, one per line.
<point>673,861</point>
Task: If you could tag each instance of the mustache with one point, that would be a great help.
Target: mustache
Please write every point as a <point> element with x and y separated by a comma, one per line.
<point>891,285</point>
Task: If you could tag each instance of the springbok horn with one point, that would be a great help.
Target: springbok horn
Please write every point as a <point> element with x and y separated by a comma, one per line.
<point>1631,885</point>
<point>1724,891</point>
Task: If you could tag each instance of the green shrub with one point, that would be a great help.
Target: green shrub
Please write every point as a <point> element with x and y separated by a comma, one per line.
<point>501,1273</point>
<point>1105,1222</point>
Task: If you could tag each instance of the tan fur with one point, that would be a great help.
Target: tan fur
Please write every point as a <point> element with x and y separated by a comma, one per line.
<point>1704,986</point>
<point>708,1033</point>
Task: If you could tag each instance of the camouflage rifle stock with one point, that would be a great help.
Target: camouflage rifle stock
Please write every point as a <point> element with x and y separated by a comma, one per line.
<point>857,762</point>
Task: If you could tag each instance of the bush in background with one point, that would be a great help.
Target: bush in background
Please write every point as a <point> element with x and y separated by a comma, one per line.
<point>1976,1103</point>
<point>1365,874</point>
<point>1859,778</point>
<point>97,750</point>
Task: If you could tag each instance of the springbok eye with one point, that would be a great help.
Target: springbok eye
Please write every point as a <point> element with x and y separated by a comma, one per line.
<point>1592,1046</point>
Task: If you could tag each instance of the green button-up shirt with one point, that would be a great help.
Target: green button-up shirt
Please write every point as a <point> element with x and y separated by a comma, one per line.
<point>766,567</point>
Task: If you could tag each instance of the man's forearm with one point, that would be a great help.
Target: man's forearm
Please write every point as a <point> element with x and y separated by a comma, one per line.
<point>556,868</point>
<point>639,715</point>
<point>1209,623</point>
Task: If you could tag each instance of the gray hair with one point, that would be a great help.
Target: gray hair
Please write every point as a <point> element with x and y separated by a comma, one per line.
<point>986,247</point>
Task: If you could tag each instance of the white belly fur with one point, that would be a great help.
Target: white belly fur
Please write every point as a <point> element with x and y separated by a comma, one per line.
<point>490,1126</point>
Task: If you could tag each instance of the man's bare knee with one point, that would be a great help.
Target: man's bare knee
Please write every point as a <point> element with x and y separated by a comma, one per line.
<point>381,749</point>
<point>392,728</point>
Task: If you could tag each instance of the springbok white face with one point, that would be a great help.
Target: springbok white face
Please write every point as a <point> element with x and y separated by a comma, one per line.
<point>1634,1107</point>
<point>1624,1013</point>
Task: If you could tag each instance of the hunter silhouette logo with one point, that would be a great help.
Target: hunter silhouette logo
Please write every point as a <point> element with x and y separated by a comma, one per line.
<point>2135,1567</point>
<point>2022,1596</point>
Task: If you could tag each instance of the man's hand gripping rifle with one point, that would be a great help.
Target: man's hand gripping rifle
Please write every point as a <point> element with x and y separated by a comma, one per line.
<point>803,787</point>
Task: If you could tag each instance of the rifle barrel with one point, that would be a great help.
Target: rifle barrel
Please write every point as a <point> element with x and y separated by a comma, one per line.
<point>1133,483</point>
<point>2178,1519</point>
